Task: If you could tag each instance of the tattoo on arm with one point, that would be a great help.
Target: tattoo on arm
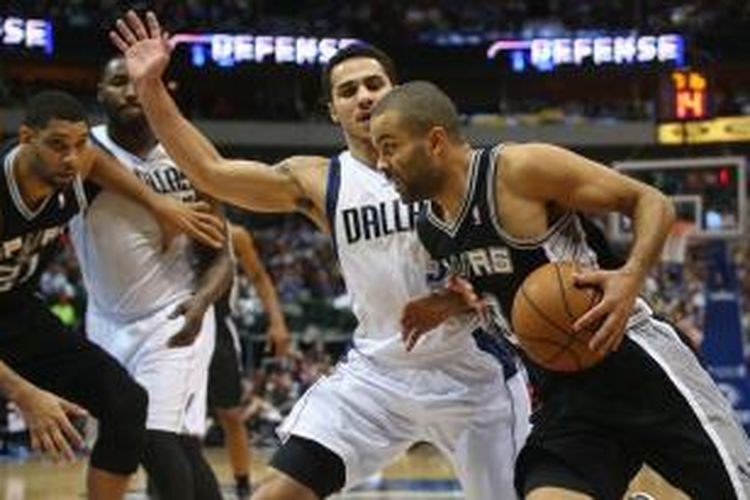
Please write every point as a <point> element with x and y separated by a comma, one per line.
<point>303,203</point>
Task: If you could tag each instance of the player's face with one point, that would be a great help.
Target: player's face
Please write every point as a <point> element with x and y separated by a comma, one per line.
<point>405,158</point>
<point>117,95</point>
<point>357,85</point>
<point>59,151</point>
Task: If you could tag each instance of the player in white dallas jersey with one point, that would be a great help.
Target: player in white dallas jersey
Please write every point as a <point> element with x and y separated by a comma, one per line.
<point>381,399</point>
<point>137,286</point>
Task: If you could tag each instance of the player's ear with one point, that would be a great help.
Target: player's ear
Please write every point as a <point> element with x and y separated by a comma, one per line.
<point>26,134</point>
<point>436,140</point>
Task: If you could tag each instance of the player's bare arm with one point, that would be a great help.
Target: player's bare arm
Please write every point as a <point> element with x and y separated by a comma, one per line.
<point>244,248</point>
<point>45,414</point>
<point>297,184</point>
<point>106,171</point>
<point>534,177</point>
<point>215,277</point>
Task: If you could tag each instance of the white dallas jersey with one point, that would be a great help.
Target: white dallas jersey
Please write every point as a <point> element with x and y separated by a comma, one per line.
<point>119,243</point>
<point>385,266</point>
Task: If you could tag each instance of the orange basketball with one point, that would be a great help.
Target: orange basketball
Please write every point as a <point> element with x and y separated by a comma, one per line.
<point>544,310</point>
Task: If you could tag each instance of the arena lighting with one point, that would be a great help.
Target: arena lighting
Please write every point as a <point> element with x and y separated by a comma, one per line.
<point>229,50</point>
<point>16,32</point>
<point>546,54</point>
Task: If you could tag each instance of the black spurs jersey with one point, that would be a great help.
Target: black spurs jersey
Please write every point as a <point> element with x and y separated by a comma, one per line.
<point>476,247</point>
<point>29,237</point>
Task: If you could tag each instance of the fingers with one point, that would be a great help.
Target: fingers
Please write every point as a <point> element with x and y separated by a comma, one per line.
<point>62,447</point>
<point>589,278</point>
<point>200,206</point>
<point>125,32</point>
<point>169,42</point>
<point>36,444</point>
<point>594,315</point>
<point>116,39</point>
<point>207,236</point>
<point>211,230</point>
<point>46,444</point>
<point>136,25</point>
<point>609,336</point>
<point>154,30</point>
<point>50,441</point>
<point>71,434</point>
<point>72,408</point>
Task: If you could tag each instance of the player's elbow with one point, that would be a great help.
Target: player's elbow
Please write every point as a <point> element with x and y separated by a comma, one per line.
<point>659,204</point>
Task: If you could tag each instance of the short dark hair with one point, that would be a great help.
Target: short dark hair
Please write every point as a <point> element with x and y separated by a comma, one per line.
<point>53,104</point>
<point>421,105</point>
<point>352,52</point>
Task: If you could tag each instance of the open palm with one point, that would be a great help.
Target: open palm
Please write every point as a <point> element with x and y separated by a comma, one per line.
<point>145,47</point>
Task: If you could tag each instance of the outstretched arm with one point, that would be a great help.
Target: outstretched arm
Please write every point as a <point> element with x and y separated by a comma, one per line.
<point>249,184</point>
<point>278,333</point>
<point>106,171</point>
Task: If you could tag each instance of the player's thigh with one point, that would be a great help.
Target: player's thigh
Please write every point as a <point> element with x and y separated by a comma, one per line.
<point>56,359</point>
<point>358,416</point>
<point>483,439</point>
<point>576,456</point>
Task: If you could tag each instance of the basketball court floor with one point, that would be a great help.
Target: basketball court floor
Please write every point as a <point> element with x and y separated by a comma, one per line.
<point>420,474</point>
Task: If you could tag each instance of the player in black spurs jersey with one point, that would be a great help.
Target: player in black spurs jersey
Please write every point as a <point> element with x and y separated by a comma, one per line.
<point>497,214</point>
<point>42,187</point>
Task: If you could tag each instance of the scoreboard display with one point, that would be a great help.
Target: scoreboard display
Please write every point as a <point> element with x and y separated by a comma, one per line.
<point>684,96</point>
<point>708,192</point>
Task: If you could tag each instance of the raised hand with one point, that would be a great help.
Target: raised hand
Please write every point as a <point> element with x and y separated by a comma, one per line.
<point>46,416</point>
<point>145,47</point>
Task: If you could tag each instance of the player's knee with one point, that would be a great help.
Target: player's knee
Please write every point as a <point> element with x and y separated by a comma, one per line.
<point>131,408</point>
<point>281,487</point>
<point>122,432</point>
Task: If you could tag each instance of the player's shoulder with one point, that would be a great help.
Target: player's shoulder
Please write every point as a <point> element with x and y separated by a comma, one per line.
<point>518,159</point>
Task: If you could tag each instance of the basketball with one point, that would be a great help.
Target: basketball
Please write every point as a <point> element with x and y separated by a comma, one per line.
<point>545,309</point>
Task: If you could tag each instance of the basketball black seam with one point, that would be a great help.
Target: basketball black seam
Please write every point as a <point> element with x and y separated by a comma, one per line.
<point>572,337</point>
<point>544,316</point>
<point>563,292</point>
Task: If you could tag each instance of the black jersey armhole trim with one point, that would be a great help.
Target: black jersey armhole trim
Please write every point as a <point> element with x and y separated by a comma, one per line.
<point>522,243</point>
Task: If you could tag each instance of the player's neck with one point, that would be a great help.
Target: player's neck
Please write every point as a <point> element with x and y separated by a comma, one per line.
<point>363,151</point>
<point>138,141</point>
<point>33,190</point>
<point>453,185</point>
